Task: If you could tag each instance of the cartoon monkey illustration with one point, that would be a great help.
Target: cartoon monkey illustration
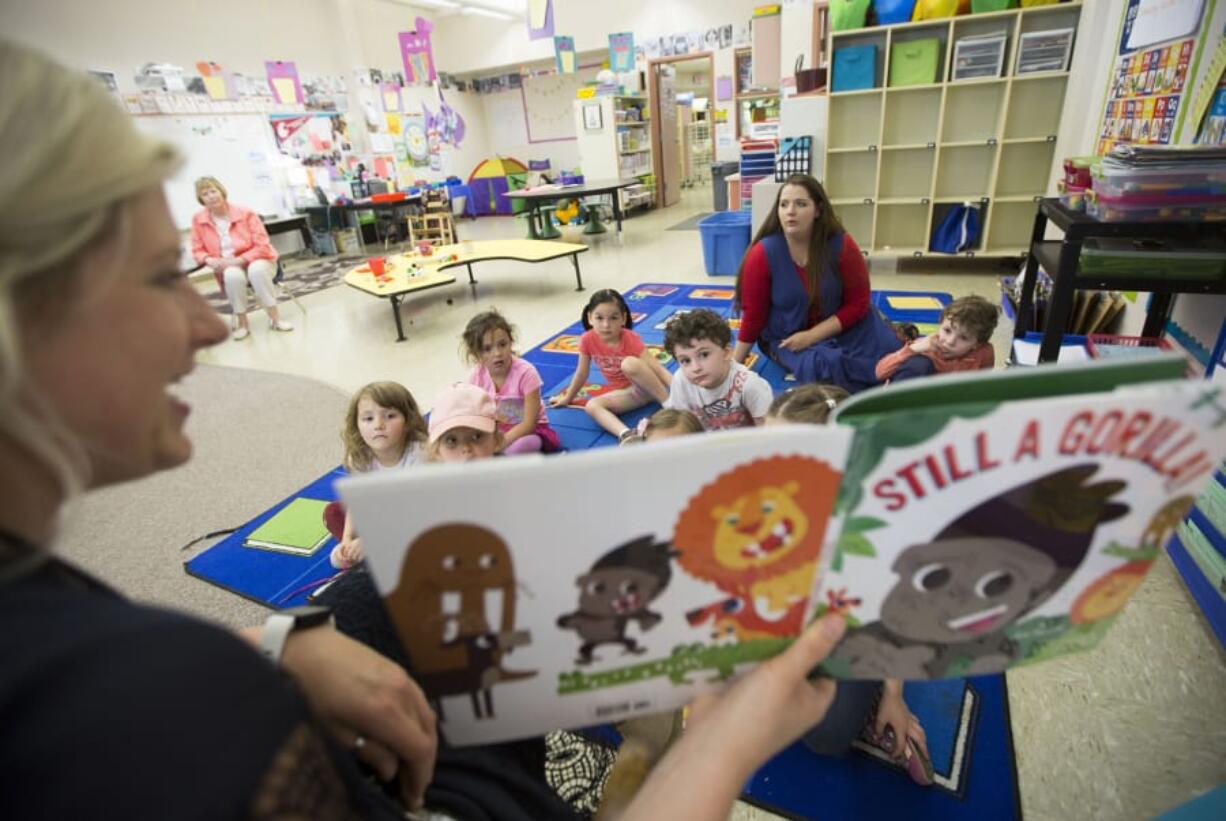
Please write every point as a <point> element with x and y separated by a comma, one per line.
<point>956,594</point>
<point>439,610</point>
<point>617,590</point>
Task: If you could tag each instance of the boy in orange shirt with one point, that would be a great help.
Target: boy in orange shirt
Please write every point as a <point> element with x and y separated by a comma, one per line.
<point>960,344</point>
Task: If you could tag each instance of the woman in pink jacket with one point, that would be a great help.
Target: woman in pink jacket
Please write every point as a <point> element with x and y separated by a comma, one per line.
<point>231,241</point>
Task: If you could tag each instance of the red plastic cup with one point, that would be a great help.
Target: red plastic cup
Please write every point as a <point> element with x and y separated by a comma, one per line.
<point>376,265</point>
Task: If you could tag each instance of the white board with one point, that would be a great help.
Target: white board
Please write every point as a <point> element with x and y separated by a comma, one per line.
<point>237,149</point>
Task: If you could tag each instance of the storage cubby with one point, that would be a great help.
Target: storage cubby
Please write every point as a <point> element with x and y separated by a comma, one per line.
<point>964,172</point>
<point>855,119</point>
<point>973,27</point>
<point>911,115</point>
<point>906,173</point>
<point>875,37</point>
<point>936,30</point>
<point>899,157</point>
<point>972,111</point>
<point>1035,103</point>
<point>853,174</point>
<point>1024,169</point>
<point>858,220</point>
<point>1009,227</point>
<point>901,228</point>
<point>941,209</point>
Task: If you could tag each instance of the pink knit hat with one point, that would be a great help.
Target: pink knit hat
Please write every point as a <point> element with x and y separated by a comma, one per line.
<point>462,406</point>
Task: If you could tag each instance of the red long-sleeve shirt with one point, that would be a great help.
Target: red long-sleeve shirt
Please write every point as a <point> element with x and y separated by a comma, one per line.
<point>756,290</point>
<point>981,357</point>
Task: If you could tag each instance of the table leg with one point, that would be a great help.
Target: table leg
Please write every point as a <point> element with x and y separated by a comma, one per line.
<point>1061,305</point>
<point>574,258</point>
<point>357,226</point>
<point>617,208</point>
<point>1157,315</point>
<point>469,266</point>
<point>395,300</point>
<point>1025,305</point>
<point>307,241</point>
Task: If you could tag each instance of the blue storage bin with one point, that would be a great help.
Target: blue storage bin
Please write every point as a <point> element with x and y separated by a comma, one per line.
<point>725,239</point>
<point>855,67</point>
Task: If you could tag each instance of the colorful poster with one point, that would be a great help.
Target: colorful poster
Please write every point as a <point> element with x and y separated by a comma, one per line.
<point>621,51</point>
<point>217,82</point>
<point>391,97</point>
<point>417,54</point>
<point>723,88</point>
<point>1146,94</point>
<point>540,19</point>
<point>564,50</point>
<point>1156,21</point>
<point>283,80</point>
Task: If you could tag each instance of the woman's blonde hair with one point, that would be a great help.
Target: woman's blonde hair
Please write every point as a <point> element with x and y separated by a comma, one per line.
<point>210,182</point>
<point>807,404</point>
<point>358,455</point>
<point>73,160</point>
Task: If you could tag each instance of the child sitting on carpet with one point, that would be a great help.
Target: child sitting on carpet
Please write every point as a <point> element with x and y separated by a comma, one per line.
<point>635,376</point>
<point>805,404</point>
<point>853,713</point>
<point>463,425</point>
<point>512,382</point>
<point>721,392</point>
<point>961,344</point>
<point>383,430</point>
<point>669,422</point>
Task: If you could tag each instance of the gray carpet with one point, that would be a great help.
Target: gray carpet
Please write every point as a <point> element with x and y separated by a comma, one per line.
<point>690,224</point>
<point>258,436</point>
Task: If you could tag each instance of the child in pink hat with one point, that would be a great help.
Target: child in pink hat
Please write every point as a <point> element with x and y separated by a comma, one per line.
<point>463,425</point>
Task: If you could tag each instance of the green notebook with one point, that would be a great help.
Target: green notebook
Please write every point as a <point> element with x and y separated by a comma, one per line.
<point>297,528</point>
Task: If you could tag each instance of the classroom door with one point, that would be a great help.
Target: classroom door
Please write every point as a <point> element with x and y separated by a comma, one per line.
<point>668,182</point>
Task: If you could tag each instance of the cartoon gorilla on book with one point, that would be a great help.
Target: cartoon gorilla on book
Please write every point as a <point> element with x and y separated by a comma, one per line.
<point>956,594</point>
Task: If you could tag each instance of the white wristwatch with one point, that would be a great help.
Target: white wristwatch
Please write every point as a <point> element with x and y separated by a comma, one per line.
<point>280,624</point>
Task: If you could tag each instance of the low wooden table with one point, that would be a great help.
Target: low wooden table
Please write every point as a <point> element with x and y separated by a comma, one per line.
<point>399,281</point>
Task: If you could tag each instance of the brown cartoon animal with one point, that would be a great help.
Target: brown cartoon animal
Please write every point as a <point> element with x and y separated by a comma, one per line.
<point>439,610</point>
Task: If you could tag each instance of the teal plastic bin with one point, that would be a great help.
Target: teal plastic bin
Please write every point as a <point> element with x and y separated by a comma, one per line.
<point>725,239</point>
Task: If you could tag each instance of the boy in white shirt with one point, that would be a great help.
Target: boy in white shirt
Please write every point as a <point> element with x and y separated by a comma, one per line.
<point>721,392</point>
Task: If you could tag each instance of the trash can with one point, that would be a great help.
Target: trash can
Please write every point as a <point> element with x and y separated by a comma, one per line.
<point>725,239</point>
<point>719,188</point>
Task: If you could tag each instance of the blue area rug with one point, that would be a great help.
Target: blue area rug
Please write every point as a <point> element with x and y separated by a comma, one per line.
<point>281,580</point>
<point>971,744</point>
<point>273,579</point>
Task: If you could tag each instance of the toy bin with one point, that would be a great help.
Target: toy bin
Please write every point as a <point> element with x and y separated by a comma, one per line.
<point>1106,346</point>
<point>725,239</point>
<point>855,68</point>
<point>914,63</point>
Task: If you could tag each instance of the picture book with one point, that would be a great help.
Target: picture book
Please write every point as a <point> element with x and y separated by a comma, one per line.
<point>962,524</point>
<point>297,528</point>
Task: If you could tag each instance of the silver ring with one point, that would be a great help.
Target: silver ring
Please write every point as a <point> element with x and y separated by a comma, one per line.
<point>359,743</point>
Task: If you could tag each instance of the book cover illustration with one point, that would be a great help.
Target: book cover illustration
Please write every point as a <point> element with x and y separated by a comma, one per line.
<point>298,529</point>
<point>980,536</point>
<point>649,291</point>
<point>567,591</point>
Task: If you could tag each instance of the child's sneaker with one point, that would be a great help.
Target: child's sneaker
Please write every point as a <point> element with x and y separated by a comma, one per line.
<point>241,333</point>
<point>281,325</point>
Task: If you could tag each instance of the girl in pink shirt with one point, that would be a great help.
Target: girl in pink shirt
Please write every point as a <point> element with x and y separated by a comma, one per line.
<point>636,377</point>
<point>513,383</point>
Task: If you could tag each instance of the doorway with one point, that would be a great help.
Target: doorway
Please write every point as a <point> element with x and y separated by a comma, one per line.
<point>682,89</point>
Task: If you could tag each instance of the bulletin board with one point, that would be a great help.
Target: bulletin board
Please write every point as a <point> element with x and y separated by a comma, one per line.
<point>237,149</point>
<point>548,103</point>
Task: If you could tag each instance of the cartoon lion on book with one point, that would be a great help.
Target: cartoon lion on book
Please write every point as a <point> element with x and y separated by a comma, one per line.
<point>756,533</point>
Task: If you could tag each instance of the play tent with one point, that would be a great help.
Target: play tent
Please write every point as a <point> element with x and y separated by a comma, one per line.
<point>493,177</point>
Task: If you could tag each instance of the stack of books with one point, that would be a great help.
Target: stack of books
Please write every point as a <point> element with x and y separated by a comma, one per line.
<point>1198,550</point>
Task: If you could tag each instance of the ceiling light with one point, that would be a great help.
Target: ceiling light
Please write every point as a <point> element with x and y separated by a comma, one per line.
<point>478,11</point>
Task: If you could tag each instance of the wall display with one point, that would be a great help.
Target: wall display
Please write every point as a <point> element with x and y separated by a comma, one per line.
<point>1145,96</point>
<point>591,118</point>
<point>1147,22</point>
<point>283,80</point>
<point>540,19</point>
<point>417,54</point>
<point>621,51</point>
<point>564,51</point>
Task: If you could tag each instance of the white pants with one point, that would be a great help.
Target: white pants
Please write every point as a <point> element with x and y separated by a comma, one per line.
<point>259,273</point>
